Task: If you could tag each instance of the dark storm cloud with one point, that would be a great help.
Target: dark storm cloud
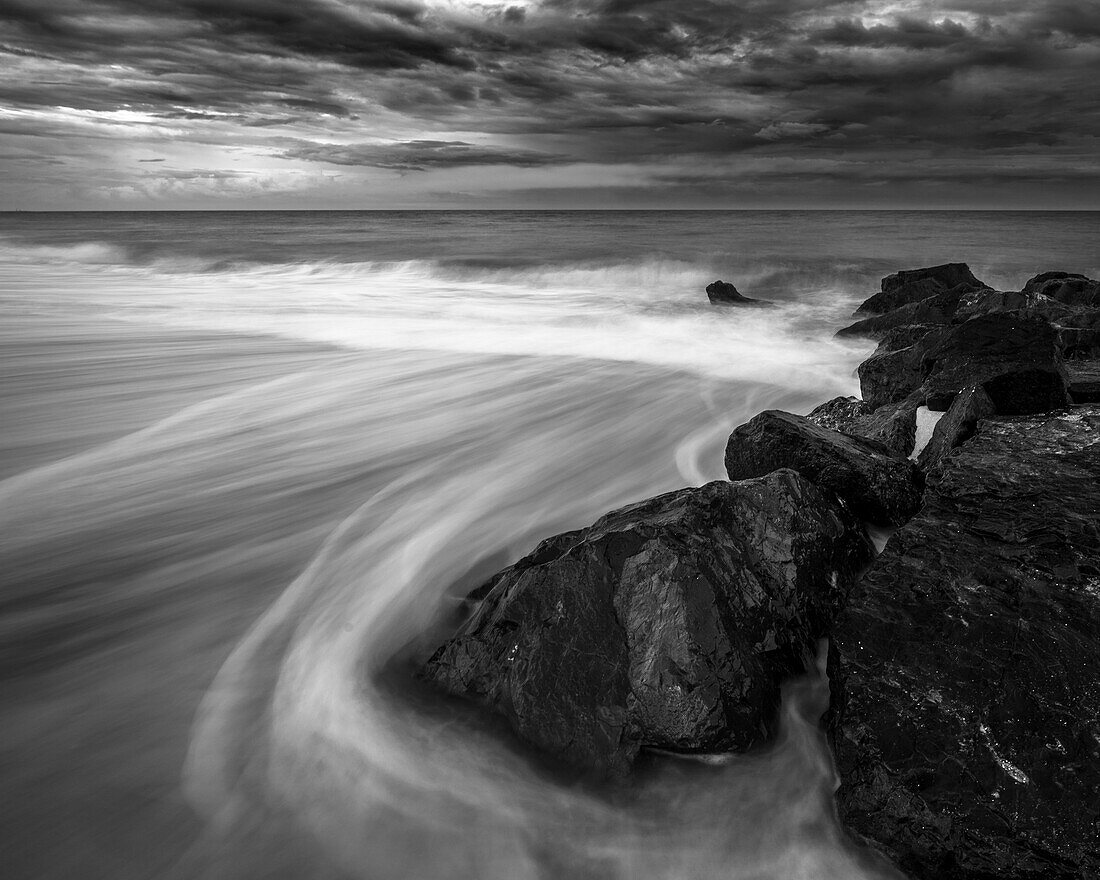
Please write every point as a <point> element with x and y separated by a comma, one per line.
<point>421,155</point>
<point>681,83</point>
<point>378,35</point>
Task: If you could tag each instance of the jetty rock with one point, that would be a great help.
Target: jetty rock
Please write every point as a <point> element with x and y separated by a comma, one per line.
<point>879,484</point>
<point>669,623</point>
<point>725,294</point>
<point>913,285</point>
<point>966,703</point>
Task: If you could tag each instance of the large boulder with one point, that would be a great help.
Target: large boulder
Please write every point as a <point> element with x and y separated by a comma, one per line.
<point>967,695</point>
<point>880,485</point>
<point>725,294</point>
<point>669,623</point>
<point>913,285</point>
<point>1015,358</point>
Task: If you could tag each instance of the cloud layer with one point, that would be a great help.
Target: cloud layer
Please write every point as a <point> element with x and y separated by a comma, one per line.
<point>398,103</point>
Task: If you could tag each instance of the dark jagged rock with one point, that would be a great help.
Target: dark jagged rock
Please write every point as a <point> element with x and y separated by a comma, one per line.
<point>906,335</point>
<point>1083,381</point>
<point>913,285</point>
<point>956,426</point>
<point>1068,288</point>
<point>669,623</point>
<point>890,376</point>
<point>1037,282</point>
<point>879,484</point>
<point>1079,335</point>
<point>894,424</point>
<point>939,308</point>
<point>967,697</point>
<point>986,302</point>
<point>725,294</point>
<point>840,414</point>
<point>1014,357</point>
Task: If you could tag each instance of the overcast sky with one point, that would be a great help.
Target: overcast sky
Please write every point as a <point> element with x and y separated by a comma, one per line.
<point>548,103</point>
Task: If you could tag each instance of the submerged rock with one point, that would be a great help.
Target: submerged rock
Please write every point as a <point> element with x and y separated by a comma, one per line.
<point>669,623</point>
<point>967,697</point>
<point>724,293</point>
<point>879,484</point>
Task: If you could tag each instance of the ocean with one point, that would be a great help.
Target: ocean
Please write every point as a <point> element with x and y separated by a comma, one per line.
<point>250,462</point>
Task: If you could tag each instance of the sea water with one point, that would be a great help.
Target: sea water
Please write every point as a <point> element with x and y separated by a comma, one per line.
<point>250,462</point>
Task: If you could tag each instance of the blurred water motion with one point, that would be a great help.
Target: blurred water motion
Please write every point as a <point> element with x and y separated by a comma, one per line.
<point>237,497</point>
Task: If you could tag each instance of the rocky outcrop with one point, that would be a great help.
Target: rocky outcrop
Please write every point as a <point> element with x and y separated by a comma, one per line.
<point>669,623</point>
<point>913,285</point>
<point>725,294</point>
<point>967,696</point>
<point>879,484</point>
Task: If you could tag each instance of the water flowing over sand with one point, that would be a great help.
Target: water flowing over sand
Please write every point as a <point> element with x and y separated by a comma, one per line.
<point>241,497</point>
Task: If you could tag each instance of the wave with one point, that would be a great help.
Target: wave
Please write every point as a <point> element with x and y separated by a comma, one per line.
<point>652,311</point>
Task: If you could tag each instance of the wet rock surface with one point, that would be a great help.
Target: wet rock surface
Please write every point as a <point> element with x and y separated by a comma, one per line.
<point>913,285</point>
<point>879,484</point>
<point>669,623</point>
<point>967,699</point>
<point>1014,357</point>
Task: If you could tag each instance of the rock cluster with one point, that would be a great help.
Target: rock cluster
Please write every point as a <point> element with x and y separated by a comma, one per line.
<point>965,658</point>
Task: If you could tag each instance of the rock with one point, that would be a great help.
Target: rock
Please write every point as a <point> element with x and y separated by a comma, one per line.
<point>894,424</point>
<point>879,484</point>
<point>957,425</point>
<point>1083,381</point>
<point>937,309</point>
<point>840,414</point>
<point>1073,290</point>
<point>669,623</point>
<point>1079,334</point>
<point>1014,358</point>
<point>967,693</point>
<point>724,293</point>
<point>890,376</point>
<point>913,285</point>
<point>1038,282</point>
<point>984,302</point>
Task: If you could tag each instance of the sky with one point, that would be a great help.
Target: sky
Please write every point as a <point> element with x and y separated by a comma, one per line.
<point>379,104</point>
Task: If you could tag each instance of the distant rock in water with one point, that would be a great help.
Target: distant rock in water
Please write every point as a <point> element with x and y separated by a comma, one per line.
<point>669,623</point>
<point>724,293</point>
<point>881,485</point>
<point>967,695</point>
